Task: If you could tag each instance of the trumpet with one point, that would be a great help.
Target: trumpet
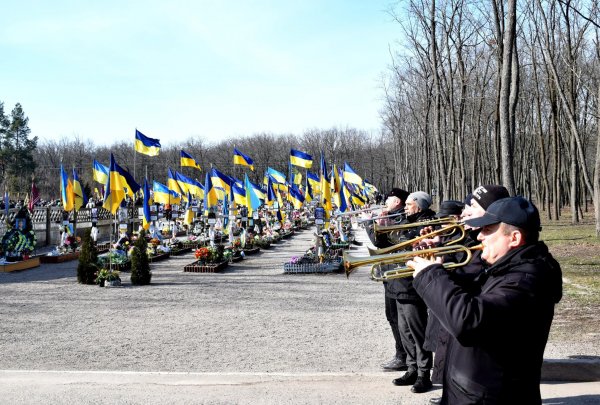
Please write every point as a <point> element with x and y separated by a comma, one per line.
<point>352,262</point>
<point>446,231</point>
<point>373,208</point>
<point>362,221</point>
<point>402,227</point>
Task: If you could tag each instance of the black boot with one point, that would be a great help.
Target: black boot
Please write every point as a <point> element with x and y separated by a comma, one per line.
<point>409,378</point>
<point>422,384</point>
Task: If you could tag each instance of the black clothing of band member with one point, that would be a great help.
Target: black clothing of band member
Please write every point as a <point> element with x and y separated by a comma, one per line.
<point>498,335</point>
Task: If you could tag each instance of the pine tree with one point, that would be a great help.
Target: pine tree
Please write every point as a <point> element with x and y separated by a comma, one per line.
<point>87,268</point>
<point>16,152</point>
<point>140,265</point>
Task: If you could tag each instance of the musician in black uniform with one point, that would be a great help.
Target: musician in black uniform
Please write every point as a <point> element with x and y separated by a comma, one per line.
<point>498,331</point>
<point>412,312</point>
<point>394,202</point>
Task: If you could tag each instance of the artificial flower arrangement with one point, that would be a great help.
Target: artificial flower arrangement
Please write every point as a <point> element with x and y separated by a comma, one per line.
<point>209,254</point>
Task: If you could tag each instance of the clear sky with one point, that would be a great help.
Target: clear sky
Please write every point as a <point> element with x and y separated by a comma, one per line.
<point>211,69</point>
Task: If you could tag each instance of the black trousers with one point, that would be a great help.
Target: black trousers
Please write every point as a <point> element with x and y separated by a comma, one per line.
<point>391,313</point>
<point>412,321</point>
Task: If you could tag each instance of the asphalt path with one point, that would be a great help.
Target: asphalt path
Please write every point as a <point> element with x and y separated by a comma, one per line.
<point>249,335</point>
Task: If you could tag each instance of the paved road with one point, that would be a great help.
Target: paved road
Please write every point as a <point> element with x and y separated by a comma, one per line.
<point>59,387</point>
<point>250,335</point>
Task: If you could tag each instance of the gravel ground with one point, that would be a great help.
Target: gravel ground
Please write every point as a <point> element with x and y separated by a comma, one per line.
<point>249,319</point>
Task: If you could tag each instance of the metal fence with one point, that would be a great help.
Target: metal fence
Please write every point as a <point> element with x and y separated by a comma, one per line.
<point>47,222</point>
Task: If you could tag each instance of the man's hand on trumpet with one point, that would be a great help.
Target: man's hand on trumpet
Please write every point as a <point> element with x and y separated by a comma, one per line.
<point>418,264</point>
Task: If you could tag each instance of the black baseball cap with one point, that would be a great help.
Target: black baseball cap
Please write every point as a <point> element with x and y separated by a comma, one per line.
<point>398,192</point>
<point>517,211</point>
<point>486,195</point>
<point>450,207</point>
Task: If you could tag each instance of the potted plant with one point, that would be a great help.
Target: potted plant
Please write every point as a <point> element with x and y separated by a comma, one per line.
<point>108,277</point>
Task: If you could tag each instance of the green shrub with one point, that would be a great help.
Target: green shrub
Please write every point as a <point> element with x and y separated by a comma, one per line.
<point>87,268</point>
<point>140,265</point>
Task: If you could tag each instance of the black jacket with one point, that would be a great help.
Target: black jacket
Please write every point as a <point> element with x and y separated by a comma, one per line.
<point>497,335</point>
<point>402,289</point>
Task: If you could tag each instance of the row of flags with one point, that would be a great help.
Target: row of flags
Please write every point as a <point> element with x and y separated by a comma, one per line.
<point>344,186</point>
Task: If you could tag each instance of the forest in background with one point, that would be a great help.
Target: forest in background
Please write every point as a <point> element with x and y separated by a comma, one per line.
<point>476,93</point>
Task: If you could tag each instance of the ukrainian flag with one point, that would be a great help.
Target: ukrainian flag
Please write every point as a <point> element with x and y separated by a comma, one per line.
<point>211,198</point>
<point>260,193</point>
<point>252,198</point>
<point>188,185</point>
<point>350,176</point>
<point>243,160</point>
<point>188,217</point>
<point>66,190</point>
<point>114,191</point>
<point>309,193</point>
<point>127,180</point>
<point>186,160</point>
<point>79,197</point>
<point>270,192</point>
<point>99,172</point>
<point>146,217</point>
<point>221,180</point>
<point>298,158</point>
<point>278,177</point>
<point>145,145</point>
<point>239,195</point>
<point>325,187</point>
<point>336,186</point>
<point>164,195</point>
<point>173,184</point>
<point>344,205</point>
<point>296,197</point>
<point>314,181</point>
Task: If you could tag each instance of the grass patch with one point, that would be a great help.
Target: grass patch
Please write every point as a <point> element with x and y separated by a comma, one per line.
<point>577,249</point>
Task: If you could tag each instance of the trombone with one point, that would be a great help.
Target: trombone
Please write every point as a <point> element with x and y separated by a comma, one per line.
<point>446,231</point>
<point>352,262</point>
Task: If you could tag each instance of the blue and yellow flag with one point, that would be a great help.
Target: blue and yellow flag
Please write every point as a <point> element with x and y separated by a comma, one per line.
<point>127,180</point>
<point>278,177</point>
<point>99,172</point>
<point>314,181</point>
<point>66,190</point>
<point>350,176</point>
<point>186,160</point>
<point>325,187</point>
<point>164,195</point>
<point>308,194</point>
<point>271,197</point>
<point>146,145</point>
<point>173,184</point>
<point>344,202</point>
<point>335,186</point>
<point>243,160</point>
<point>302,159</point>
<point>188,217</point>
<point>211,198</point>
<point>79,197</point>
<point>252,198</point>
<point>239,195</point>
<point>114,190</point>
<point>296,197</point>
<point>146,218</point>
<point>220,179</point>
<point>191,186</point>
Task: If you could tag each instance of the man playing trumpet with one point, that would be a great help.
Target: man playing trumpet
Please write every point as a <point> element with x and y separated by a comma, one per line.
<point>394,205</point>
<point>498,322</point>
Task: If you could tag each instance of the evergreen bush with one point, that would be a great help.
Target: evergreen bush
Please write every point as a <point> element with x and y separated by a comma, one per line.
<point>140,265</point>
<point>87,268</point>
